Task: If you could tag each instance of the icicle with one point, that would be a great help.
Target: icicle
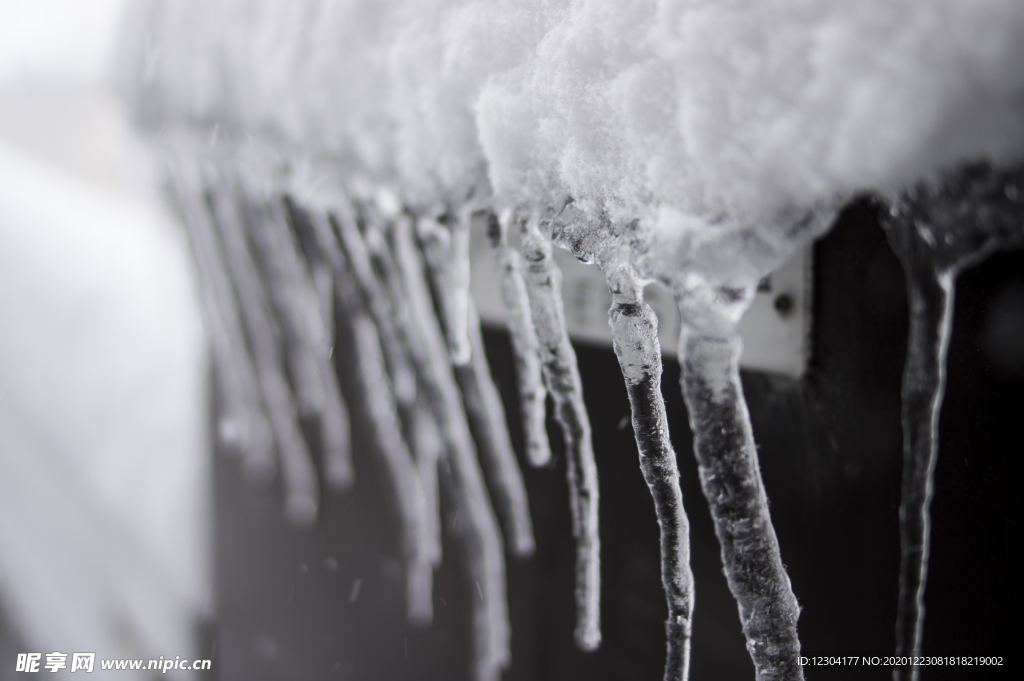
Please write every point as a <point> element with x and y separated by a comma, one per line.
<point>299,475</point>
<point>937,234</point>
<point>306,344</point>
<point>379,411</point>
<point>532,393</point>
<point>318,268</point>
<point>425,438</point>
<point>418,423</point>
<point>377,304</point>
<point>337,457</point>
<point>635,337</point>
<point>458,288</point>
<point>308,310</point>
<point>445,243</point>
<point>723,442</point>
<point>924,380</point>
<point>486,563</point>
<point>482,403</point>
<point>487,418</point>
<point>306,340</point>
<point>290,306</point>
<point>544,283</point>
<point>427,448</point>
<point>235,371</point>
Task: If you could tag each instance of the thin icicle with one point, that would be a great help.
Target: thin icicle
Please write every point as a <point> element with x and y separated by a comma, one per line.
<point>478,525</point>
<point>377,304</point>
<point>445,244</point>
<point>931,297</point>
<point>418,426</point>
<point>544,284</point>
<point>236,374</point>
<point>379,411</point>
<point>487,421</point>
<point>525,347</point>
<point>635,338</point>
<point>306,344</point>
<point>723,442</point>
<point>289,305</point>
<point>937,233</point>
<point>483,404</point>
<point>335,422</point>
<point>458,287</point>
<point>425,437</point>
<point>298,472</point>
<point>427,448</point>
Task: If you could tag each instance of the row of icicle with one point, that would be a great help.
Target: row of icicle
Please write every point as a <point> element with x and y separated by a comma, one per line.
<point>290,253</point>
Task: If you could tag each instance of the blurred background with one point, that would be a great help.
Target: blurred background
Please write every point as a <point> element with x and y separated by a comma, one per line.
<point>105,542</point>
<point>121,533</point>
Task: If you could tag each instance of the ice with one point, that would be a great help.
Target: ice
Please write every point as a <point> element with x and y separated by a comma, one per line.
<point>366,361</point>
<point>731,481</point>
<point>532,393</point>
<point>937,231</point>
<point>236,375</point>
<point>443,254</point>
<point>308,321</point>
<point>445,243</point>
<point>635,336</point>
<point>419,420</point>
<point>689,142</point>
<point>487,420</point>
<point>562,376</point>
<point>486,563</point>
<point>402,377</point>
<point>291,305</point>
<point>299,477</point>
<point>335,425</point>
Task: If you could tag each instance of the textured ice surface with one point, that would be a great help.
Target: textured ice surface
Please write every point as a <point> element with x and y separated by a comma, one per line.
<point>687,142</point>
<point>532,392</point>
<point>937,233</point>
<point>635,336</point>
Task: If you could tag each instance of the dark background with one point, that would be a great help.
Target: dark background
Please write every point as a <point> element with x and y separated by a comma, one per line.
<point>830,450</point>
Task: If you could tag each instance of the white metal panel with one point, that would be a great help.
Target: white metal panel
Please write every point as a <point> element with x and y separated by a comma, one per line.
<point>775,330</point>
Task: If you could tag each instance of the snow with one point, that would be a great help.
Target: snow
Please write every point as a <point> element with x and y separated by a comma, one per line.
<point>689,142</point>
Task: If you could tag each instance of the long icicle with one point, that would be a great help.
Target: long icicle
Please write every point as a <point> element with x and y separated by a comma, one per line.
<point>379,411</point>
<point>482,403</point>
<point>306,343</point>
<point>286,302</point>
<point>402,376</point>
<point>525,346</point>
<point>334,423</point>
<point>937,232</point>
<point>487,420</point>
<point>445,244</point>
<point>635,338</point>
<point>396,355</point>
<point>477,523</point>
<point>730,477</point>
<point>236,374</point>
<point>544,284</point>
<point>337,458</point>
<point>458,275</point>
<point>931,298</point>
<point>298,472</point>
<point>425,436</point>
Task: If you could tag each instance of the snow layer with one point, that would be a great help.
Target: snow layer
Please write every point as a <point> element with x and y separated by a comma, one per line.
<point>686,115</point>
